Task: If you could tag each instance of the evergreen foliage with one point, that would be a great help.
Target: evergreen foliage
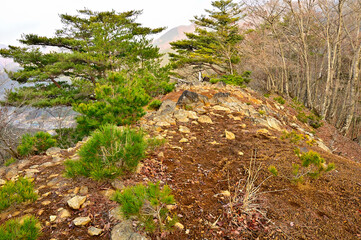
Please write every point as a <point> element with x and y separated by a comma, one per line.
<point>148,204</point>
<point>155,104</point>
<point>27,228</point>
<point>89,45</point>
<point>48,95</point>
<point>37,144</point>
<point>108,153</point>
<point>213,45</point>
<point>119,101</point>
<point>234,79</point>
<point>17,191</point>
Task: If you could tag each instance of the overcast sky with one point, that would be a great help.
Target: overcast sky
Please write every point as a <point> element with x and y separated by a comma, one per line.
<point>41,16</point>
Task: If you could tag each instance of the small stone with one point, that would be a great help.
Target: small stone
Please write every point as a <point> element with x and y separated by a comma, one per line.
<point>179,226</point>
<point>262,131</point>
<point>52,218</point>
<point>52,151</point>
<point>40,212</point>
<point>2,182</point>
<point>183,140</point>
<point>161,155</point>
<point>187,231</point>
<point>93,231</point>
<point>76,202</point>
<point>205,119</point>
<point>108,193</point>
<point>81,221</point>
<point>240,153</point>
<point>220,108</point>
<point>226,193</point>
<point>46,203</point>
<point>117,184</point>
<point>46,194</point>
<point>83,190</point>
<point>64,214</point>
<point>47,164</point>
<point>53,175</point>
<point>243,125</point>
<point>171,207</point>
<point>139,168</point>
<point>229,135</point>
<point>76,190</point>
<point>116,214</point>
<point>124,230</point>
<point>184,129</point>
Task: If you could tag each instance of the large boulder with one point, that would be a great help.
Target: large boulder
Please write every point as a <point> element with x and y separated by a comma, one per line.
<point>191,98</point>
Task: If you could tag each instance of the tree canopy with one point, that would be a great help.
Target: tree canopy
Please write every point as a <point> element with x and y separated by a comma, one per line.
<point>88,46</point>
<point>214,44</point>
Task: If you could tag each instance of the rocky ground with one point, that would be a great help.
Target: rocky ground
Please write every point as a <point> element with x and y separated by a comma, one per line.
<point>214,134</point>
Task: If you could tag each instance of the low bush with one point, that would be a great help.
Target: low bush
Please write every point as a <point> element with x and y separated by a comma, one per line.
<point>280,100</point>
<point>36,144</point>
<point>10,161</point>
<point>109,152</point>
<point>155,104</point>
<point>312,165</point>
<point>18,191</point>
<point>235,79</point>
<point>27,228</point>
<point>148,204</point>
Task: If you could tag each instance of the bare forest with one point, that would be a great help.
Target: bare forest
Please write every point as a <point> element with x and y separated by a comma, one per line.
<point>309,50</point>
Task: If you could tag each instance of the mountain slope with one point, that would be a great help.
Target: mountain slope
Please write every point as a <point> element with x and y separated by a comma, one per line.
<point>173,34</point>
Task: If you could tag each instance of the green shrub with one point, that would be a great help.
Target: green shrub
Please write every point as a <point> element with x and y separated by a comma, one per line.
<point>36,144</point>
<point>262,112</point>
<point>10,161</point>
<point>155,104</point>
<point>119,101</point>
<point>267,95</point>
<point>17,191</point>
<point>280,100</point>
<point>108,153</point>
<point>27,228</point>
<point>312,165</point>
<point>147,203</point>
<point>67,137</point>
<point>235,79</point>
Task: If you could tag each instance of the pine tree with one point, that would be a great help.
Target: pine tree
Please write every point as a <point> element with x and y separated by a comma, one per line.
<point>214,44</point>
<point>89,46</point>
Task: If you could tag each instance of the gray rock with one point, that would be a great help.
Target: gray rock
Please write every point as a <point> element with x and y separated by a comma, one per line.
<point>220,97</point>
<point>124,231</point>
<point>167,107</point>
<point>220,84</point>
<point>189,97</point>
<point>52,151</point>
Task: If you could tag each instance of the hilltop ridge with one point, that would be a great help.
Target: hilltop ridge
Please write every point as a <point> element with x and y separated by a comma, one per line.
<point>213,133</point>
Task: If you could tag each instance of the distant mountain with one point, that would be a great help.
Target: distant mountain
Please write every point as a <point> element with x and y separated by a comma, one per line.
<point>174,34</point>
